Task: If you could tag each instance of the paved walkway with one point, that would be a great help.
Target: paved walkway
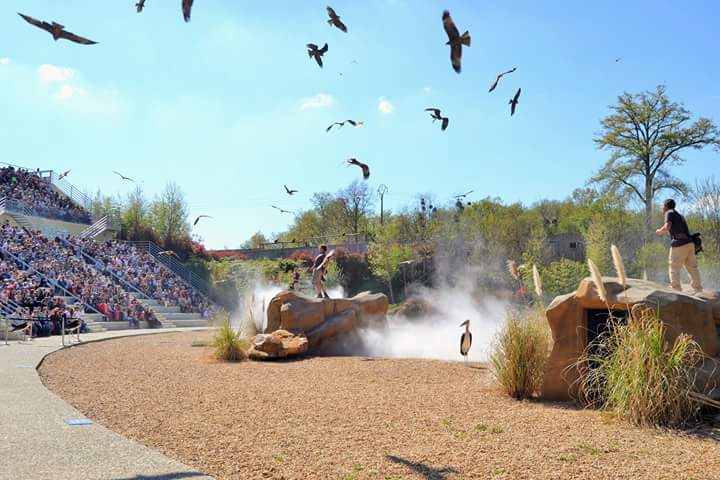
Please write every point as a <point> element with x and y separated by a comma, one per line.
<point>35,442</point>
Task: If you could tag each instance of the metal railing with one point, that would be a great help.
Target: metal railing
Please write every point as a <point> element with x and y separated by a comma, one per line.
<point>13,205</point>
<point>175,266</point>
<point>127,286</point>
<point>22,263</point>
<point>105,223</point>
<point>68,189</point>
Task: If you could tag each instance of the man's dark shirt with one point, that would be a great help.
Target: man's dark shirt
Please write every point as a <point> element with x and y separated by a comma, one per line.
<point>679,231</point>
<point>318,260</point>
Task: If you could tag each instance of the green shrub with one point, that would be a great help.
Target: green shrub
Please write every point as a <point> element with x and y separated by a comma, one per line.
<point>563,277</point>
<point>634,373</point>
<point>518,354</point>
<point>228,345</point>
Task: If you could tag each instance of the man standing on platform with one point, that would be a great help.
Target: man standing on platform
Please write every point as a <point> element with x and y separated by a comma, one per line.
<point>682,248</point>
<point>318,270</point>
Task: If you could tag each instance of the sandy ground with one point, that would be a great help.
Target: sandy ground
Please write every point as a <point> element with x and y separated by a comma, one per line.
<point>353,418</point>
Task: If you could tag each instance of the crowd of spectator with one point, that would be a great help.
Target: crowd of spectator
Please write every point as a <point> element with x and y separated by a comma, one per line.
<point>34,192</point>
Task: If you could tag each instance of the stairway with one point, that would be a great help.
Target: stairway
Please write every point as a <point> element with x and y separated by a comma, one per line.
<point>172,317</point>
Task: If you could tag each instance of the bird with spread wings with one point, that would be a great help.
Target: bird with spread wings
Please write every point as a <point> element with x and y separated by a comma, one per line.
<point>335,20</point>
<point>455,40</point>
<point>187,9</point>
<point>317,53</point>
<point>199,217</point>
<point>290,191</point>
<point>281,210</point>
<point>363,166</point>
<point>435,114</point>
<point>123,176</point>
<point>57,31</point>
<point>499,76</point>
<point>514,101</point>
<point>354,123</point>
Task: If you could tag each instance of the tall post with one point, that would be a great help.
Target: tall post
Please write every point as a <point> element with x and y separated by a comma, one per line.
<point>382,190</point>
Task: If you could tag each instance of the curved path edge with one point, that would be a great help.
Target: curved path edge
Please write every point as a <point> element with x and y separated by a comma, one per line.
<point>35,441</point>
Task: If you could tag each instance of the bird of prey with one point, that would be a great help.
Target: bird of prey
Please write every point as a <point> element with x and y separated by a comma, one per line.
<point>140,5</point>
<point>168,253</point>
<point>354,123</point>
<point>513,102</point>
<point>187,9</point>
<point>123,176</point>
<point>289,191</point>
<point>618,59</point>
<point>57,31</point>
<point>199,217</point>
<point>435,114</point>
<point>499,76</point>
<point>280,209</point>
<point>63,174</point>
<point>464,194</point>
<point>335,20</point>
<point>455,40</point>
<point>363,166</point>
<point>317,53</point>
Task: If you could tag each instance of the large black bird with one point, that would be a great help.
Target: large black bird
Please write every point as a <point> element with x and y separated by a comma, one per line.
<point>455,40</point>
<point>464,194</point>
<point>514,101</point>
<point>465,339</point>
<point>499,76</point>
<point>435,114</point>
<point>335,20</point>
<point>123,176</point>
<point>140,5</point>
<point>365,168</point>
<point>290,191</point>
<point>187,9</point>
<point>317,53</point>
<point>199,217</point>
<point>354,123</point>
<point>57,31</point>
<point>64,174</point>
<point>280,209</point>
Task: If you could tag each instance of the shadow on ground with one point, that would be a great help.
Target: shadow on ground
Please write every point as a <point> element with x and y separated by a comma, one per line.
<point>423,469</point>
<point>165,476</point>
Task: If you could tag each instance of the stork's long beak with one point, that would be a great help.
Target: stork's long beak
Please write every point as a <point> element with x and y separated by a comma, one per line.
<point>466,322</point>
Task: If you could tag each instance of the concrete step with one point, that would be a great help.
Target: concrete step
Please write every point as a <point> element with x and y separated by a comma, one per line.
<point>96,328</point>
<point>114,325</point>
<point>92,317</point>
<point>162,309</point>
<point>172,317</point>
<point>199,322</point>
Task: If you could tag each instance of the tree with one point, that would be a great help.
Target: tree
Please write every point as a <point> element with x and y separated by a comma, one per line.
<point>169,214</point>
<point>255,241</point>
<point>356,201</point>
<point>135,215</point>
<point>646,134</point>
<point>385,255</point>
<point>706,196</point>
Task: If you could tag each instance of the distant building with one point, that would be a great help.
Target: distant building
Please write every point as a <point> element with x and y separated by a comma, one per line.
<point>567,245</point>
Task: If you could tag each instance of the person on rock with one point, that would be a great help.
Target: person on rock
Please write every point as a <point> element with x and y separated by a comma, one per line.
<point>682,248</point>
<point>318,272</point>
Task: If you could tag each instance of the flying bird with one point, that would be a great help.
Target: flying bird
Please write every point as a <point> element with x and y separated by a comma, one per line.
<point>499,76</point>
<point>63,174</point>
<point>289,191</point>
<point>465,339</point>
<point>455,40</point>
<point>464,194</point>
<point>280,209</point>
<point>514,101</point>
<point>435,114</point>
<point>354,123</point>
<point>335,20</point>
<point>199,217</point>
<point>57,31</point>
<point>363,166</point>
<point>168,253</point>
<point>317,53</point>
<point>187,9</point>
<point>618,59</point>
<point>123,176</point>
<point>140,5</point>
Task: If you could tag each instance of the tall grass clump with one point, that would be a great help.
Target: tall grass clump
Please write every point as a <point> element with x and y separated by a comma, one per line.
<point>619,265</point>
<point>634,373</point>
<point>519,351</point>
<point>228,344</point>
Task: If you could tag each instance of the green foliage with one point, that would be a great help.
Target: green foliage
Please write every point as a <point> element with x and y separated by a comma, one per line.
<point>257,239</point>
<point>169,214</point>
<point>633,372</point>
<point>562,277</point>
<point>597,245</point>
<point>653,260</point>
<point>385,255</point>
<point>228,344</point>
<point>519,351</point>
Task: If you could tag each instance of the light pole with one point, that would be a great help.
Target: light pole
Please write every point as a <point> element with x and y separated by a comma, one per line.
<point>382,190</point>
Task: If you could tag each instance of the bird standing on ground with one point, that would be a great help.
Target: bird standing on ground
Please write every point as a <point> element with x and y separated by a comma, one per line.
<point>187,9</point>
<point>280,209</point>
<point>435,114</point>
<point>317,53</point>
<point>64,174</point>
<point>499,76</point>
<point>289,191</point>
<point>335,20</point>
<point>514,101</point>
<point>57,31</point>
<point>455,40</point>
<point>123,176</point>
<point>140,5</point>
<point>363,166</point>
<point>465,340</point>
<point>199,217</point>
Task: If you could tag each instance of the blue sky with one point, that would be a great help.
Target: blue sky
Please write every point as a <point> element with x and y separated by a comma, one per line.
<point>230,107</point>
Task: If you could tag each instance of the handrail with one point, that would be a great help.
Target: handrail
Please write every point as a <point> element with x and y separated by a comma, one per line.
<point>14,205</point>
<point>120,280</point>
<point>69,190</point>
<point>50,280</point>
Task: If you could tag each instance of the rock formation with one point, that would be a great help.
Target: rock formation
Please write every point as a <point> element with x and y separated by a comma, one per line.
<point>278,344</point>
<point>567,315</point>
<point>319,320</point>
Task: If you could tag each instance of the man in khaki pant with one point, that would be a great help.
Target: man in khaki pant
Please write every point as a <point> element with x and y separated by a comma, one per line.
<point>682,248</point>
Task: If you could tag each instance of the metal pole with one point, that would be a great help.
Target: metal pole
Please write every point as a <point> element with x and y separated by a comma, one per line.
<point>382,190</point>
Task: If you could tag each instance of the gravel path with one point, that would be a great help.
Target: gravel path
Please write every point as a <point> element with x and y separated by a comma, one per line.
<point>353,418</point>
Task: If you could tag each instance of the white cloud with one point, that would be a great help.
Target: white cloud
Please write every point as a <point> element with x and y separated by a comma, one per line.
<point>321,100</point>
<point>384,106</point>
<point>5,61</point>
<point>68,91</point>
<point>52,73</point>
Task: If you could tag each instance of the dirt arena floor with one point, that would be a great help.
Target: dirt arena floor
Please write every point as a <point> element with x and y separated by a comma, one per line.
<point>354,418</point>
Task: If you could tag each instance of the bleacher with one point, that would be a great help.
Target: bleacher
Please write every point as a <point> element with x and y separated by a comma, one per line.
<point>56,259</point>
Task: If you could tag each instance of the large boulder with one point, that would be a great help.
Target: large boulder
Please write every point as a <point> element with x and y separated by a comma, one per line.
<point>278,344</point>
<point>321,319</point>
<point>698,316</point>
